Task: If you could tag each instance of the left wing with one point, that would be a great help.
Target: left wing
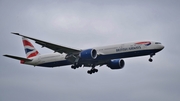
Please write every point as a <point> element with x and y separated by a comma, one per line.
<point>55,47</point>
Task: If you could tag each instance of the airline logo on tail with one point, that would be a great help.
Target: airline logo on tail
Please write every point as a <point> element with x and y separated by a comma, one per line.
<point>29,48</point>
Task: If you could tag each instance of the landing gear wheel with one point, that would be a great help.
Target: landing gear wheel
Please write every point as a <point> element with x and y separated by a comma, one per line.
<point>73,67</point>
<point>96,70</point>
<point>150,60</point>
<point>89,72</point>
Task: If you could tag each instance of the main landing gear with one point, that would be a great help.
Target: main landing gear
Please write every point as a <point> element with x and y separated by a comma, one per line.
<point>76,66</point>
<point>151,55</point>
<point>93,70</point>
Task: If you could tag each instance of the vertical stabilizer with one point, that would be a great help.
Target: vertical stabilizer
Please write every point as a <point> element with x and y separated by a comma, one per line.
<point>29,48</point>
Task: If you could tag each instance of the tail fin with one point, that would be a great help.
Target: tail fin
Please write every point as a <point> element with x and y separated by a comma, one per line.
<point>29,48</point>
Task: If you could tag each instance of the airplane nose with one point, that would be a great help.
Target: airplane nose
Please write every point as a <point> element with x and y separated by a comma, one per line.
<point>161,47</point>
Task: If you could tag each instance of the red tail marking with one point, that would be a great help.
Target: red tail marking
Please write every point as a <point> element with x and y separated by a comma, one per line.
<point>27,43</point>
<point>33,54</point>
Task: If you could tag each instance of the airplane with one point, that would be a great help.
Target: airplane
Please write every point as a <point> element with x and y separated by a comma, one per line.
<point>112,56</point>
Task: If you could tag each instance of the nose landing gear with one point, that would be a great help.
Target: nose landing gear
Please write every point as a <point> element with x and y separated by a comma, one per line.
<point>151,55</point>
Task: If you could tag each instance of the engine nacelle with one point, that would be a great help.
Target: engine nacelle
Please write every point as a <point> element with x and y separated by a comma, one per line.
<point>116,64</point>
<point>88,54</point>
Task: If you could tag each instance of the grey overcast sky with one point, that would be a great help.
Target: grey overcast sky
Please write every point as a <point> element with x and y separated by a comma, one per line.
<point>90,23</point>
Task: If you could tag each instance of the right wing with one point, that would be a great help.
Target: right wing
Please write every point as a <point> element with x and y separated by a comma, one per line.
<point>55,47</point>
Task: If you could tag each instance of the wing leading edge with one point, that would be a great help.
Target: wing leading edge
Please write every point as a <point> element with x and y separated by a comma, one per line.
<point>55,47</point>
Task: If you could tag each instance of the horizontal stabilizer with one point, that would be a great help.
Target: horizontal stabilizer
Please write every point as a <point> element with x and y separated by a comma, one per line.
<point>18,58</point>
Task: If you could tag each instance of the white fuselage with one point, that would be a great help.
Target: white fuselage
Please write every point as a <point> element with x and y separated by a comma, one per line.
<point>126,50</point>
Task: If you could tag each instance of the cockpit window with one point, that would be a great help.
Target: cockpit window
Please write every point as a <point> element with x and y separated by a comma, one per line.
<point>157,43</point>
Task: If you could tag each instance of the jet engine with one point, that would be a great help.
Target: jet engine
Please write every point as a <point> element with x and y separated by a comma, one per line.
<point>88,54</point>
<point>116,64</point>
